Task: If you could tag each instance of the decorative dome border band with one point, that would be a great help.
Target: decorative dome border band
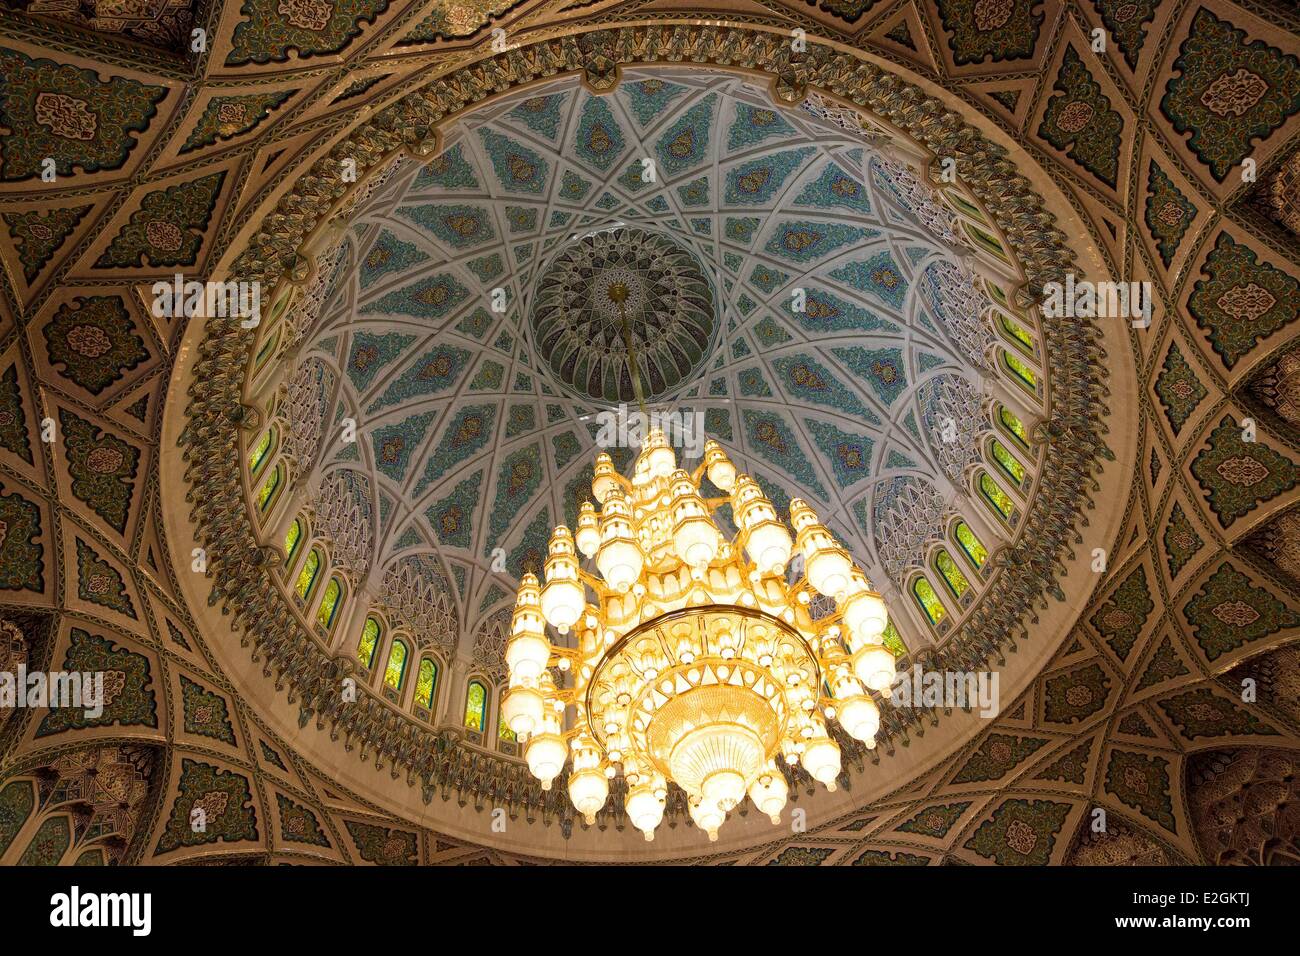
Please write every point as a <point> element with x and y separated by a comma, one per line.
<point>241,569</point>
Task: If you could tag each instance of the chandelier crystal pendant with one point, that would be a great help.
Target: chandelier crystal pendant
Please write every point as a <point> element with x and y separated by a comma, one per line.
<point>691,658</point>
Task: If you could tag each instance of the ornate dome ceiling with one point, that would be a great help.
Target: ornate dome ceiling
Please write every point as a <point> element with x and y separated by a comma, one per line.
<point>803,295</point>
<point>849,332</point>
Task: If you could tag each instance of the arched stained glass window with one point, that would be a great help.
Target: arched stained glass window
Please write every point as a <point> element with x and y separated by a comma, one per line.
<point>1022,372</point>
<point>951,574</point>
<point>985,240</point>
<point>893,640</point>
<point>923,591</point>
<point>503,729</point>
<point>307,576</point>
<point>960,202</point>
<point>281,305</point>
<point>369,643</point>
<point>1014,426</point>
<point>1018,333</point>
<point>426,680</point>
<point>261,451</point>
<point>266,496</point>
<point>292,538</point>
<point>970,544</point>
<point>395,672</point>
<point>476,706</point>
<point>996,497</point>
<point>1010,466</point>
<point>329,604</point>
<point>267,350</point>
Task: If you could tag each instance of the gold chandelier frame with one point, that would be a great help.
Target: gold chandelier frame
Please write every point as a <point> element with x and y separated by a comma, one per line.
<point>712,657</point>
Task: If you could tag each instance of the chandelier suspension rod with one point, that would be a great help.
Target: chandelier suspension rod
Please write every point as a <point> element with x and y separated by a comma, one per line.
<point>619,295</point>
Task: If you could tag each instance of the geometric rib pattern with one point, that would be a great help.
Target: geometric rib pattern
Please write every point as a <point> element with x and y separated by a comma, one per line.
<point>849,334</point>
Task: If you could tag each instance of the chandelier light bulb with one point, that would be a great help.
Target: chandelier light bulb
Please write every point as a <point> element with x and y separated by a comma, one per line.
<point>645,808</point>
<point>875,667</point>
<point>769,793</point>
<point>658,454</point>
<point>826,564</point>
<point>766,539</point>
<point>545,754</point>
<point>605,478</point>
<point>821,758</point>
<point>864,612</point>
<point>588,535</point>
<point>528,650</point>
<point>859,717</point>
<point>695,536</point>
<point>707,816</point>
<point>564,597</point>
<point>619,559</point>
<point>522,709</point>
<point>719,467</point>
<point>588,789</point>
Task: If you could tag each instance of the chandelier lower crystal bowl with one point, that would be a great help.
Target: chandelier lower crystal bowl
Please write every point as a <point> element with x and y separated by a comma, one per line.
<point>714,741</point>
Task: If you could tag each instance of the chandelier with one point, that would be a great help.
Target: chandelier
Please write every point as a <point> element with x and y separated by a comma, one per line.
<point>687,657</point>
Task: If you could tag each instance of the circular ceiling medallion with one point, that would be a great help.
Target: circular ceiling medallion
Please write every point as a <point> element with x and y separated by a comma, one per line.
<point>619,296</point>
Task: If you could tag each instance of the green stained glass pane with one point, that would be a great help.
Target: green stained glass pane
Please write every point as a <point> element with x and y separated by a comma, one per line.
<point>985,240</point>
<point>329,604</point>
<point>257,457</point>
<point>970,544</point>
<point>996,496</point>
<point>893,640</point>
<point>279,306</point>
<point>930,602</point>
<point>396,669</point>
<point>504,731</point>
<point>369,642</point>
<point>1008,463</point>
<point>476,706</point>
<point>307,576</point>
<point>952,575</point>
<point>1018,333</point>
<point>265,352</point>
<point>267,494</point>
<point>1021,371</point>
<point>1014,425</point>
<point>291,539</point>
<point>960,202</point>
<point>425,681</point>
